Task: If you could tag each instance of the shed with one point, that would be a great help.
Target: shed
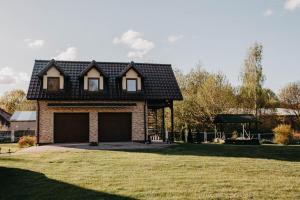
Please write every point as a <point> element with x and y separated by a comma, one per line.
<point>23,121</point>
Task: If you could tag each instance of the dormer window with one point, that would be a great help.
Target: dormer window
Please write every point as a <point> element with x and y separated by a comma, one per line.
<point>53,84</point>
<point>52,77</point>
<point>131,79</point>
<point>93,78</point>
<point>131,84</point>
<point>93,85</point>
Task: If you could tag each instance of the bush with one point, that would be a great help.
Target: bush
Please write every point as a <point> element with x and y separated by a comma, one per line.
<point>283,134</point>
<point>234,135</point>
<point>190,136</point>
<point>27,141</point>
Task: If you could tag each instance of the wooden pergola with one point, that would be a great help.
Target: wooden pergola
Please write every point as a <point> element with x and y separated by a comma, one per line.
<point>156,120</point>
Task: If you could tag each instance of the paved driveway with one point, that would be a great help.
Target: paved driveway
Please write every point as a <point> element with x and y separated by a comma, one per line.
<point>86,146</point>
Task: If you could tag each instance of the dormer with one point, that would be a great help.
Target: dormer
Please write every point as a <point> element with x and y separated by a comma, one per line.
<point>131,79</point>
<point>53,78</point>
<point>93,78</point>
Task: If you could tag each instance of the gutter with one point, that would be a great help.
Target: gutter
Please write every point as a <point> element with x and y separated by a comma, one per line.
<point>38,124</point>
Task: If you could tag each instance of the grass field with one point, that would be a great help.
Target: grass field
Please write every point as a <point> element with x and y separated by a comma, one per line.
<point>183,171</point>
<point>9,147</point>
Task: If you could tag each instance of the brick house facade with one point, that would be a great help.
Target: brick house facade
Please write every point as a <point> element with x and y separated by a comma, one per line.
<point>81,101</point>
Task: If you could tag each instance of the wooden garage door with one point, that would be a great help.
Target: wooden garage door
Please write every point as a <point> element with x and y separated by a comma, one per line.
<point>114,127</point>
<point>71,127</point>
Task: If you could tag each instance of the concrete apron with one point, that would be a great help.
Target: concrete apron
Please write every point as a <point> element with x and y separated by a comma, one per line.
<point>86,146</point>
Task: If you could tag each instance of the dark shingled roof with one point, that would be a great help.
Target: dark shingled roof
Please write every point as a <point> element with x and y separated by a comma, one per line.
<point>159,82</point>
<point>235,118</point>
<point>4,117</point>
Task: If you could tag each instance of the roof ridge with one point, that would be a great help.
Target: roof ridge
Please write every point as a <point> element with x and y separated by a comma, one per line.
<point>104,62</point>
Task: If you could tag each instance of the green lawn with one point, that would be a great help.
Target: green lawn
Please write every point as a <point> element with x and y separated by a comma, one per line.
<point>9,147</point>
<point>179,172</point>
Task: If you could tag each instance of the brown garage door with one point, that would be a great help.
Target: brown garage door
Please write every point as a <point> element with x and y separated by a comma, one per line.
<point>71,127</point>
<point>114,127</point>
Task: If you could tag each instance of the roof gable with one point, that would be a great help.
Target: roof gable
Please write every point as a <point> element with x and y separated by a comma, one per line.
<point>129,67</point>
<point>93,65</point>
<point>51,63</point>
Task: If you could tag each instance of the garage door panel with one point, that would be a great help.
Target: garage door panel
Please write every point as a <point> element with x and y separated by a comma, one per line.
<point>71,127</point>
<point>114,127</point>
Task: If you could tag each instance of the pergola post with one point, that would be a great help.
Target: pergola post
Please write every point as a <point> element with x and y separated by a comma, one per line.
<point>156,122</point>
<point>163,125</point>
<point>172,123</point>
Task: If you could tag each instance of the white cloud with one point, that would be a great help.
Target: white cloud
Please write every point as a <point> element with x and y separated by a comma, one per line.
<point>134,40</point>
<point>268,12</point>
<point>291,4</point>
<point>174,38</point>
<point>10,76</point>
<point>70,53</point>
<point>34,43</point>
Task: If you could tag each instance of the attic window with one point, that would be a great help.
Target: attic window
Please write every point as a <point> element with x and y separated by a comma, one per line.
<point>93,84</point>
<point>53,83</point>
<point>131,85</point>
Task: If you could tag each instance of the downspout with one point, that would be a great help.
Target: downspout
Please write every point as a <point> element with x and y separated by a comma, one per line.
<point>38,124</point>
<point>145,122</point>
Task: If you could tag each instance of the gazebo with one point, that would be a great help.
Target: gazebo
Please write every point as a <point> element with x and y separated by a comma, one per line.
<point>246,120</point>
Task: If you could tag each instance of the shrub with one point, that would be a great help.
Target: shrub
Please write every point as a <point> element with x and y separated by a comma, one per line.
<point>27,141</point>
<point>190,136</point>
<point>296,139</point>
<point>234,135</point>
<point>283,134</point>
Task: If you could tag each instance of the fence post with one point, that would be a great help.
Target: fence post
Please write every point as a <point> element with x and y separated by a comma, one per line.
<point>167,136</point>
<point>12,136</point>
<point>258,136</point>
<point>205,137</point>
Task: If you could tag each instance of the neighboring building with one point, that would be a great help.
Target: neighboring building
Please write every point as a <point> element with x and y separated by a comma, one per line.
<point>23,121</point>
<point>4,120</point>
<point>99,101</point>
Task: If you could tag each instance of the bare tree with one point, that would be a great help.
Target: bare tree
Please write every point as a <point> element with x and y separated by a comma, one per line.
<point>16,100</point>
<point>251,91</point>
<point>290,97</point>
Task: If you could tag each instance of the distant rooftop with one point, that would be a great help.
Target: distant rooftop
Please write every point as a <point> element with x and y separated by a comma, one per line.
<point>23,116</point>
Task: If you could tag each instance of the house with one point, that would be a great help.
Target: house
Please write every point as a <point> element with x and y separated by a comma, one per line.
<point>80,101</point>
<point>4,120</point>
<point>23,121</point>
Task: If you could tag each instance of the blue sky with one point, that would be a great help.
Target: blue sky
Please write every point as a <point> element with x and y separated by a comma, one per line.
<point>182,33</point>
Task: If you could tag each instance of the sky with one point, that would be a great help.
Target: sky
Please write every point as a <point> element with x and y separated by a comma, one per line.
<point>183,33</point>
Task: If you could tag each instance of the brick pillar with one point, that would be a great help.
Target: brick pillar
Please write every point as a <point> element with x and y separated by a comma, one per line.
<point>93,137</point>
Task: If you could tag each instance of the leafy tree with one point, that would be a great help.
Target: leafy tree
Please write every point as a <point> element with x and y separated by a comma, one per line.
<point>290,97</point>
<point>16,100</point>
<point>205,95</point>
<point>269,99</point>
<point>251,91</point>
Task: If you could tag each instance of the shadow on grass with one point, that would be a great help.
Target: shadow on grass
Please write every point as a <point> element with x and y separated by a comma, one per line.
<point>24,184</point>
<point>276,152</point>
